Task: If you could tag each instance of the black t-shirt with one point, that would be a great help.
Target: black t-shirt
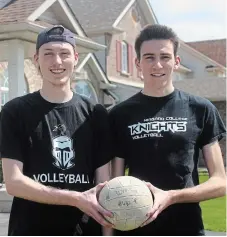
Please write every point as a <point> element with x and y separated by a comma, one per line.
<point>60,145</point>
<point>160,138</point>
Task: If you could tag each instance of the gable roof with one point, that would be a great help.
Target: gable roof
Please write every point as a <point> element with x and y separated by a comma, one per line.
<point>97,14</point>
<point>97,69</point>
<point>19,10</point>
<point>21,19</point>
<point>214,49</point>
<point>209,61</point>
<point>211,88</point>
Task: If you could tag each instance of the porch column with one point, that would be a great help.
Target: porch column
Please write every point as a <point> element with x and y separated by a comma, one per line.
<point>16,68</point>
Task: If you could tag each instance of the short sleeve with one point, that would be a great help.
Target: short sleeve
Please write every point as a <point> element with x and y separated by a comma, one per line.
<point>11,136</point>
<point>102,137</point>
<point>213,126</point>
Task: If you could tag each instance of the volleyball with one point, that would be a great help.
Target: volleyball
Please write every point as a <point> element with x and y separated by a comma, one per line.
<point>129,199</point>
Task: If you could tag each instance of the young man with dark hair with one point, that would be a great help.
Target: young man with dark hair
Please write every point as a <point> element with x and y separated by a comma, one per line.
<point>158,133</point>
<point>54,145</point>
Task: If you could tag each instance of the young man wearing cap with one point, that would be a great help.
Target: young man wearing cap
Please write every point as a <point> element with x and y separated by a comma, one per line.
<point>52,143</point>
<point>158,133</point>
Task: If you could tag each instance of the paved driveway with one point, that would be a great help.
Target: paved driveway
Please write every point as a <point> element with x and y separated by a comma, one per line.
<point>4,218</point>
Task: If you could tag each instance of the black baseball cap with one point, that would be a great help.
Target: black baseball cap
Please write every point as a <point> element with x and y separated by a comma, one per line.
<point>55,33</point>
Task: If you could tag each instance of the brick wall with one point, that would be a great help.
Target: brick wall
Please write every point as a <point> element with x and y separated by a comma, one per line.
<point>131,30</point>
<point>34,81</point>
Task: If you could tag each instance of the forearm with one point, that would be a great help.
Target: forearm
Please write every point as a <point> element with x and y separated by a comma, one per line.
<point>26,188</point>
<point>102,175</point>
<point>107,231</point>
<point>214,187</point>
<point>118,167</point>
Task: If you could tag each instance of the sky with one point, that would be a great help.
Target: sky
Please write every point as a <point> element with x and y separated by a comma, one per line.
<point>193,20</point>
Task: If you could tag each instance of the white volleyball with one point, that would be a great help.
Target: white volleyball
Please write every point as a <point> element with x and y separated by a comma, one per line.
<point>129,199</point>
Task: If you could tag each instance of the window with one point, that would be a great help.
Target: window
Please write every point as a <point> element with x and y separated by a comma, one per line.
<point>84,88</point>
<point>124,57</point>
<point>4,84</point>
<point>4,95</point>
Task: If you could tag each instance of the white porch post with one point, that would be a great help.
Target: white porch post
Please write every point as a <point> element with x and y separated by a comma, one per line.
<point>16,68</point>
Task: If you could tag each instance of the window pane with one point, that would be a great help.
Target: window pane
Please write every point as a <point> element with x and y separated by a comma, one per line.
<point>124,57</point>
<point>4,75</point>
<point>84,88</point>
<point>4,83</point>
<point>4,97</point>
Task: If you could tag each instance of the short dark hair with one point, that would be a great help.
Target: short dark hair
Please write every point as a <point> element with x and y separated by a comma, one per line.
<point>156,31</point>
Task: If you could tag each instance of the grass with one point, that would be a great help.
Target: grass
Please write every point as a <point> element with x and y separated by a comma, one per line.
<point>213,212</point>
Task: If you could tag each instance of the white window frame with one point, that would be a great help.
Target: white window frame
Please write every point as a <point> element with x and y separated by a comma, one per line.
<point>4,95</point>
<point>124,57</point>
<point>4,91</point>
<point>90,87</point>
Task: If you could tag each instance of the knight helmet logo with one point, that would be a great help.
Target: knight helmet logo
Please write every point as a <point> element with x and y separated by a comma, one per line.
<point>63,152</point>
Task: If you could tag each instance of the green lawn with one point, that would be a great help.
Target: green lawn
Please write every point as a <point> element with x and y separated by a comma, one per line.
<point>214,212</point>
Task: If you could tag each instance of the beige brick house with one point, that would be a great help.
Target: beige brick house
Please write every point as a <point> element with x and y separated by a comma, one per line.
<point>20,23</point>
<point>116,23</point>
<point>216,50</point>
<point>105,33</point>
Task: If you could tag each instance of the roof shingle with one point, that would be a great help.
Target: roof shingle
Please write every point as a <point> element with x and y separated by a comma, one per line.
<point>97,14</point>
<point>18,10</point>
<point>214,49</point>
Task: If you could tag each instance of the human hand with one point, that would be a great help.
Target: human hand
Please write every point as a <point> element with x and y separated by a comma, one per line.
<point>162,199</point>
<point>89,204</point>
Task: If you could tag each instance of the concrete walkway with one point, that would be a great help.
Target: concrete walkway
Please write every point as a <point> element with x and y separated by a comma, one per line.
<point>4,218</point>
<point>211,233</point>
